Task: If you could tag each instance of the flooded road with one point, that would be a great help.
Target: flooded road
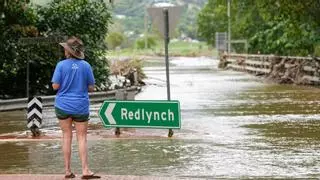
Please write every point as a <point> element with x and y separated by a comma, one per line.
<point>234,125</point>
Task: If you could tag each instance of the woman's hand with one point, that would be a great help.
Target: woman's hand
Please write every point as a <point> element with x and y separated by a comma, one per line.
<point>55,86</point>
<point>91,88</point>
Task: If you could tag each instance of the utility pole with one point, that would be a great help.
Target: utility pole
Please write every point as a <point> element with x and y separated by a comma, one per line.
<point>229,27</point>
<point>145,28</point>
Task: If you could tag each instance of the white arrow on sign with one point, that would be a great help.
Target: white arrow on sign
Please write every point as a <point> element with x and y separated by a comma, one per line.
<point>34,111</point>
<point>108,113</point>
<point>35,101</point>
<point>32,122</point>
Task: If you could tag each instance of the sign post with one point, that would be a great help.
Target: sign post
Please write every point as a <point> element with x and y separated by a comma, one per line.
<point>141,114</point>
<point>123,95</point>
<point>34,116</point>
<point>166,44</point>
<point>166,25</point>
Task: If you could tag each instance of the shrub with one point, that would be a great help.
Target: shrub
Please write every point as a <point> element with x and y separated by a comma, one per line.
<point>17,20</point>
<point>152,42</point>
<point>114,39</point>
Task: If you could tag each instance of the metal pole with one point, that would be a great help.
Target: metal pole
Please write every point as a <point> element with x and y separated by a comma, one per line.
<point>121,95</point>
<point>229,28</point>
<point>166,42</point>
<point>28,77</point>
<point>145,29</point>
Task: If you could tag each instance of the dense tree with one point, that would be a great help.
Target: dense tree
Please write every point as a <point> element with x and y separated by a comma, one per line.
<point>16,20</point>
<point>212,19</point>
<point>186,23</point>
<point>87,19</point>
<point>273,26</point>
<point>291,28</point>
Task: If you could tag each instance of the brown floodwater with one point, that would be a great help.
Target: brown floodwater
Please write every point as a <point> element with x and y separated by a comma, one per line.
<point>234,125</point>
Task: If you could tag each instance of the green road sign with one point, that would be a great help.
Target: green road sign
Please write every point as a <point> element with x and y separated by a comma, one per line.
<point>141,114</point>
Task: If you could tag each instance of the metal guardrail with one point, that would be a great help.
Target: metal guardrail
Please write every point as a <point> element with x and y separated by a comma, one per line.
<point>265,65</point>
<point>21,103</point>
<point>250,56</point>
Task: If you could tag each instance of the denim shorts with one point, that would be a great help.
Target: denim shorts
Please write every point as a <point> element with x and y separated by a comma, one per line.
<point>61,115</point>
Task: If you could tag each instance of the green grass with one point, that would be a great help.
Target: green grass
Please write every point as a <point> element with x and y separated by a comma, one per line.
<point>179,48</point>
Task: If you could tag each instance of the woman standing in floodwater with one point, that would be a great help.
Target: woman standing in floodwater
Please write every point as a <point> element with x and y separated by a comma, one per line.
<point>73,79</point>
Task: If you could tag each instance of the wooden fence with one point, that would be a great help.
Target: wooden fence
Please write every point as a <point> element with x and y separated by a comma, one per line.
<point>283,69</point>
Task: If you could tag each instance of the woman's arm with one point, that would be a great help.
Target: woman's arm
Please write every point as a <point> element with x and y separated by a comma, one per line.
<point>55,86</point>
<point>90,79</point>
<point>56,78</point>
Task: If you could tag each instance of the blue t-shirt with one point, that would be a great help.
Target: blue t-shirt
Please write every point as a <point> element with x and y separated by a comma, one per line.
<point>74,76</point>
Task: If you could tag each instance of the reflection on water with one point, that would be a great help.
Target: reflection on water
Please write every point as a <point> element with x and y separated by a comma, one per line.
<point>14,156</point>
<point>12,121</point>
<point>289,133</point>
<point>233,125</point>
<point>305,129</point>
<point>139,157</point>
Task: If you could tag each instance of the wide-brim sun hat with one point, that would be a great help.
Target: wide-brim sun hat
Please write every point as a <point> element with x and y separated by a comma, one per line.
<point>75,47</point>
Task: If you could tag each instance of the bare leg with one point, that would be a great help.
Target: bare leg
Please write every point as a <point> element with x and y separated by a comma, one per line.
<point>81,129</point>
<point>66,127</point>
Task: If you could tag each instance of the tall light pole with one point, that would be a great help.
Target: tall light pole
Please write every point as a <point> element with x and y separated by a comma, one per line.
<point>229,27</point>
